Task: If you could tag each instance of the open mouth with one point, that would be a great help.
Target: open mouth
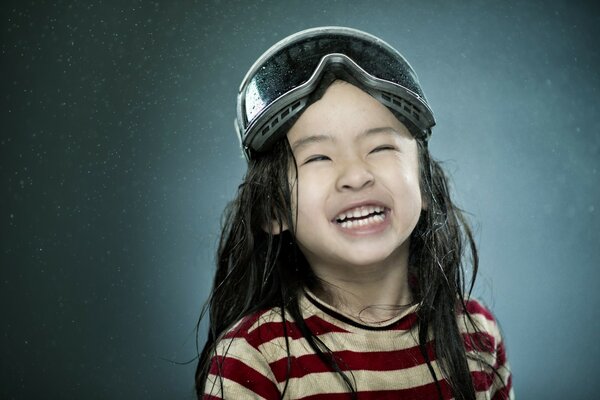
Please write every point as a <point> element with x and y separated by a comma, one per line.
<point>361,216</point>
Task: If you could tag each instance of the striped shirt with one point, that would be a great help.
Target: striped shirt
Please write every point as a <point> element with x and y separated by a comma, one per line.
<point>383,361</point>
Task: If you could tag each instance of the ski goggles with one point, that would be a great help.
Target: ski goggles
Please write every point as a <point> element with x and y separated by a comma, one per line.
<point>277,86</point>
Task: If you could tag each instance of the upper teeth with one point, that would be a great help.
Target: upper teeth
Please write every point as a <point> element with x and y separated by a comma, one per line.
<point>359,212</point>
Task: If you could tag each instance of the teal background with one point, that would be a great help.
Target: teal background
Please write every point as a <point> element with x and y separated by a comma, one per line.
<point>117,156</point>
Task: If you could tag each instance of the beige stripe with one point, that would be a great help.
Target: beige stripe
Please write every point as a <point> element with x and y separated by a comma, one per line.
<point>475,365</point>
<point>504,372</point>
<point>240,350</point>
<point>276,348</point>
<point>233,390</point>
<point>482,323</point>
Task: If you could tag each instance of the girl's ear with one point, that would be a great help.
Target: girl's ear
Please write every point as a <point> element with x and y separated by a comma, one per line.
<point>274,228</point>
<point>424,204</point>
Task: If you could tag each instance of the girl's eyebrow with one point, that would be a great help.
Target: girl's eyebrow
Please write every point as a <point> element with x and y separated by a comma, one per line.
<point>322,138</point>
<point>311,139</point>
<point>382,129</point>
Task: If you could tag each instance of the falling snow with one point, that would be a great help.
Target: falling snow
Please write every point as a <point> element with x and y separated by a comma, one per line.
<point>118,156</point>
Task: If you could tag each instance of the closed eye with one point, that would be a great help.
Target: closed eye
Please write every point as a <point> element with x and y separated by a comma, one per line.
<point>318,157</point>
<point>383,147</point>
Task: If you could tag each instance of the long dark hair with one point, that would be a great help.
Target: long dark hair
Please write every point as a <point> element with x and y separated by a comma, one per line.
<point>257,270</point>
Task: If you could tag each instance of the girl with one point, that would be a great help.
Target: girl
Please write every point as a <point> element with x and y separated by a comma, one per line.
<point>340,266</point>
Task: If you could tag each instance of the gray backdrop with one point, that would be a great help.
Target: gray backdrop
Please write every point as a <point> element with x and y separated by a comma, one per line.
<point>118,155</point>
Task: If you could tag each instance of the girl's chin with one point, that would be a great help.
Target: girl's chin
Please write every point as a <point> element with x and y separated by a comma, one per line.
<point>364,259</point>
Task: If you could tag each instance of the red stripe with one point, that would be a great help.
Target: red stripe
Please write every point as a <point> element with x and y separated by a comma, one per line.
<point>501,354</point>
<point>428,391</point>
<point>482,381</point>
<point>406,323</point>
<point>479,341</point>
<point>242,327</point>
<point>350,360</point>
<point>319,326</point>
<point>369,361</point>
<point>268,331</point>
<point>241,373</point>
<point>475,307</point>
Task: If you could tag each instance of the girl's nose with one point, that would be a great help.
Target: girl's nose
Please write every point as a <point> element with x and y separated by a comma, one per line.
<point>354,175</point>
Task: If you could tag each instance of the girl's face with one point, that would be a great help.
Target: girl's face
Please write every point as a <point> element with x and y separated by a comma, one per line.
<point>358,196</point>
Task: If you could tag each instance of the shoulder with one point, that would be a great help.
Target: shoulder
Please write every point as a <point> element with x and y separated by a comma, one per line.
<point>257,328</point>
<point>478,317</point>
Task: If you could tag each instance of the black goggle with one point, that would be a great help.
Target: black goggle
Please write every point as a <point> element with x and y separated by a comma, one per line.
<point>277,86</point>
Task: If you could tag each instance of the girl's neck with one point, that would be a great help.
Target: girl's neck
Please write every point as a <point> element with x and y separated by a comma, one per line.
<point>373,293</point>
